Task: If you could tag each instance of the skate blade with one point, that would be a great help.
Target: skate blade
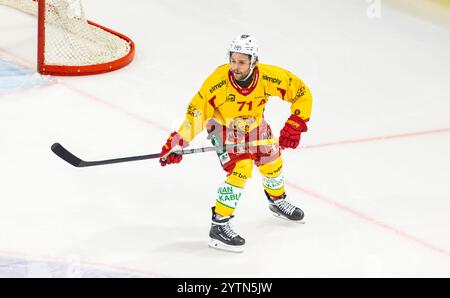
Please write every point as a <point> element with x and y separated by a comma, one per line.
<point>216,244</point>
<point>287,219</point>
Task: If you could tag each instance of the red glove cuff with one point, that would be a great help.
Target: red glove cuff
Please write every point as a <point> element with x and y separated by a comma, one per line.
<point>297,123</point>
<point>290,134</point>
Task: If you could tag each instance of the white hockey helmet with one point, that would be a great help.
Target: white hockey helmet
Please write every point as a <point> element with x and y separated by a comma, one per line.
<point>245,44</point>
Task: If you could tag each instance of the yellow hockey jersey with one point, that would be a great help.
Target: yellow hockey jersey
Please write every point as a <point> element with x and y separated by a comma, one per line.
<point>223,99</point>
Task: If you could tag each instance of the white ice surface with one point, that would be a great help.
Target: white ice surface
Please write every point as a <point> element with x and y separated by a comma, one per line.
<point>379,207</point>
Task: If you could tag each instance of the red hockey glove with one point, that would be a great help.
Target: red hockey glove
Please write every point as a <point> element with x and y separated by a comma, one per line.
<point>174,142</point>
<point>290,134</point>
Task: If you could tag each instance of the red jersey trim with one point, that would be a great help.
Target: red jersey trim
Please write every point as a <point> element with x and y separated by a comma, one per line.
<point>244,91</point>
<point>282,91</point>
<point>211,101</point>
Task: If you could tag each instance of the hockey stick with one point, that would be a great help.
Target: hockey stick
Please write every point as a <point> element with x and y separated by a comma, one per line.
<point>65,154</point>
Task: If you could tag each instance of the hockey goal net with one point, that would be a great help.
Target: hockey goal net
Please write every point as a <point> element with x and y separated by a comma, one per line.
<point>69,44</point>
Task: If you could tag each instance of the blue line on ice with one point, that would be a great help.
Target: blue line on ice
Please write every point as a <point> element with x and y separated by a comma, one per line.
<point>14,78</point>
<point>26,267</point>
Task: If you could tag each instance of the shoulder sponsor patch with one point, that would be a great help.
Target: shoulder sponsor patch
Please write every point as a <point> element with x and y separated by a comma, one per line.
<point>217,86</point>
<point>300,92</point>
<point>272,80</point>
<point>193,111</point>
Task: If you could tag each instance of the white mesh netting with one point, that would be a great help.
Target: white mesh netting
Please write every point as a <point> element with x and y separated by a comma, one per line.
<point>69,39</point>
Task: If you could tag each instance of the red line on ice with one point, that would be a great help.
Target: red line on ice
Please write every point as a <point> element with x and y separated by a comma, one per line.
<point>379,138</point>
<point>369,219</point>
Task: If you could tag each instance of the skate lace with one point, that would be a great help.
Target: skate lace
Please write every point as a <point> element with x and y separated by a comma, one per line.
<point>228,230</point>
<point>286,207</point>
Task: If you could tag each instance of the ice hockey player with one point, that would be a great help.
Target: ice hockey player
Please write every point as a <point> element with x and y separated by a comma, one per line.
<point>230,105</point>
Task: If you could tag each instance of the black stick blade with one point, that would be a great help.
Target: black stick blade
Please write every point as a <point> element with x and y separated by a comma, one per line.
<point>63,153</point>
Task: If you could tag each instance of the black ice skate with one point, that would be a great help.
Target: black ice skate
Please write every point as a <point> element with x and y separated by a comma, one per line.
<point>280,207</point>
<point>222,235</point>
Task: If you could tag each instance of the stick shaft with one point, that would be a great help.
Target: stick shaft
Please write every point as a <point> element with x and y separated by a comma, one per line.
<point>66,155</point>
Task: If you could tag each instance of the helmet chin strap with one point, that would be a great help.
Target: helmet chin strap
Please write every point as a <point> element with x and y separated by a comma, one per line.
<point>252,67</point>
